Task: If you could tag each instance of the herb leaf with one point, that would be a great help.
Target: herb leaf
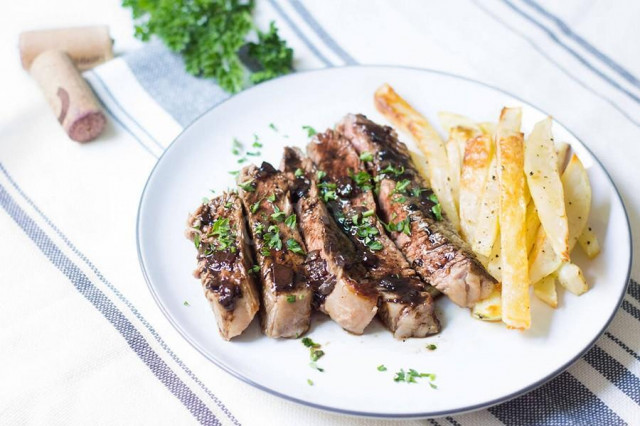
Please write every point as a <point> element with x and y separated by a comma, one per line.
<point>290,221</point>
<point>310,130</point>
<point>381,367</point>
<point>294,246</point>
<point>247,186</point>
<point>366,156</point>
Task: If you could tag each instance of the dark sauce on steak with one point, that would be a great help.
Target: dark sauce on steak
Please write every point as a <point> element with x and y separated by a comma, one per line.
<point>405,290</point>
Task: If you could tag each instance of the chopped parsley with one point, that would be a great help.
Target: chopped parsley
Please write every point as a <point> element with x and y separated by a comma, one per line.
<point>291,298</point>
<point>381,367</point>
<point>368,213</point>
<point>254,269</point>
<point>320,174</point>
<point>314,352</point>
<point>437,209</point>
<point>315,367</point>
<point>228,205</point>
<point>390,170</point>
<point>186,303</point>
<point>298,173</point>
<point>273,127</point>
<point>258,228</point>
<point>255,206</point>
<point>205,200</point>
<point>196,240</point>
<point>290,221</point>
<point>242,160</point>
<point>375,246</point>
<point>411,376</point>
<point>401,186</point>
<point>366,156</point>
<point>328,191</point>
<point>362,179</point>
<point>237,147</point>
<point>253,154</point>
<point>222,232</point>
<point>310,130</point>
<point>417,191</point>
<point>402,226</point>
<point>247,186</point>
<point>310,382</point>
<point>272,238</point>
<point>294,246</point>
<point>432,347</point>
<point>234,172</point>
<point>278,215</point>
<point>272,198</point>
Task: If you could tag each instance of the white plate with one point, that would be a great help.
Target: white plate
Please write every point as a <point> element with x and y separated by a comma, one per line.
<point>477,364</point>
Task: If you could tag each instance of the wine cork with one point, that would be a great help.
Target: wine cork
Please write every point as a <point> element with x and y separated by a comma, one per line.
<point>86,46</point>
<point>69,95</point>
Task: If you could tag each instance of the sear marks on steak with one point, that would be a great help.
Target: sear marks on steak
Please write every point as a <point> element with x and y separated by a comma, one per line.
<point>437,253</point>
<point>405,306</point>
<point>218,231</point>
<point>339,280</point>
<point>280,251</point>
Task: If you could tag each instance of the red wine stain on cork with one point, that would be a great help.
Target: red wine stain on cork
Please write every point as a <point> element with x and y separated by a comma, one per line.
<point>64,103</point>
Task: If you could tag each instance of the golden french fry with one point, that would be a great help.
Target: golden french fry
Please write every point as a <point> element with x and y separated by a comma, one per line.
<point>545,186</point>
<point>451,120</point>
<point>516,311</point>
<point>421,164</point>
<point>485,233</point>
<point>475,170</point>
<point>494,261</point>
<point>533,223</point>
<point>570,276</point>
<point>545,290</point>
<point>489,309</point>
<point>589,243</point>
<point>577,198</point>
<point>488,128</point>
<point>455,163</point>
<point>403,116</point>
<point>563,150</point>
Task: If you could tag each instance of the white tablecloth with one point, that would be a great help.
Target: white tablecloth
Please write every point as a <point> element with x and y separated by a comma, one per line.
<point>81,339</point>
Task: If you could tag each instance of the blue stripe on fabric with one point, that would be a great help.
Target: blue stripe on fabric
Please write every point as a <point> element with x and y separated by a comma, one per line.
<point>452,421</point>
<point>118,294</point>
<point>324,35</point>
<point>566,72</point>
<point>299,33</point>
<point>615,372</point>
<point>572,52</point>
<point>562,401</point>
<point>626,348</point>
<point>623,72</point>
<point>634,290</point>
<point>127,129</point>
<point>124,111</point>
<point>110,312</point>
<point>635,312</point>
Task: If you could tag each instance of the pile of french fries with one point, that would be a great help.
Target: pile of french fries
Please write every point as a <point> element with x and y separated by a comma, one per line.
<point>521,203</point>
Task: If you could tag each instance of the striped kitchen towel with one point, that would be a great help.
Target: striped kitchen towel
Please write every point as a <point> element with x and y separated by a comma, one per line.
<point>82,339</point>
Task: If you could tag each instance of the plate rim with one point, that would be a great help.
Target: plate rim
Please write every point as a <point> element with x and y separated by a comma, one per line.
<point>358,413</point>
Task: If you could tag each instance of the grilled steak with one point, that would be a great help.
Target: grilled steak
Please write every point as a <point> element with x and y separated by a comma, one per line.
<point>340,283</point>
<point>280,251</point>
<point>405,306</point>
<point>218,230</point>
<point>437,253</point>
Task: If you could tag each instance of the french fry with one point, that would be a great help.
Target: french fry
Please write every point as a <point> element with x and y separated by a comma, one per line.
<point>402,115</point>
<point>589,243</point>
<point>563,150</point>
<point>451,120</point>
<point>421,164</point>
<point>570,276</point>
<point>455,163</point>
<point>475,169</point>
<point>486,227</point>
<point>545,290</point>
<point>540,166</point>
<point>577,198</point>
<point>533,223</point>
<point>494,264</point>
<point>489,309</point>
<point>513,209</point>
<point>488,128</point>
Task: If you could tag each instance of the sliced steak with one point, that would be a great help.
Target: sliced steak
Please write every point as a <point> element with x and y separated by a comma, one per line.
<point>437,253</point>
<point>218,231</point>
<point>280,251</point>
<point>405,306</point>
<point>340,283</point>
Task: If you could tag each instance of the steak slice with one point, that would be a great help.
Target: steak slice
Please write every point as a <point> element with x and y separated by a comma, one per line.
<point>340,283</point>
<point>437,253</point>
<point>405,306</point>
<point>280,251</point>
<point>218,231</point>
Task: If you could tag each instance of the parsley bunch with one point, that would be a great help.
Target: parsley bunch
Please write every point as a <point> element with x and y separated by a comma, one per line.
<point>209,34</point>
